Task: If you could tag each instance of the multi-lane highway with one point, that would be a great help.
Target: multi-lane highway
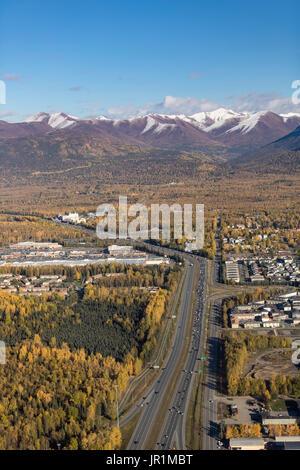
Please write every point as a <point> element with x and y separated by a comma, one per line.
<point>174,426</point>
<point>174,423</point>
<point>152,402</point>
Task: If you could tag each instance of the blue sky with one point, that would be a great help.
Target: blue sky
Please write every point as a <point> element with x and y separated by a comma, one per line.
<point>121,58</point>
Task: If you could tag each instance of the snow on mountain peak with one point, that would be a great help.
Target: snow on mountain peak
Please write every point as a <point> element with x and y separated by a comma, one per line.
<point>247,124</point>
<point>55,120</point>
<point>223,114</point>
<point>60,120</point>
<point>161,126</point>
<point>37,117</point>
<point>219,122</point>
<point>150,123</point>
<point>217,114</point>
<point>211,120</point>
<point>288,116</point>
<point>103,118</point>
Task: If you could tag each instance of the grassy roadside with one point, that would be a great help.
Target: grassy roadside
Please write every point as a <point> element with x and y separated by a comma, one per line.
<point>193,416</point>
<point>128,429</point>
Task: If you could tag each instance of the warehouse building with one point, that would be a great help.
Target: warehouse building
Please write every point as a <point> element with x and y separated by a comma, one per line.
<point>279,417</point>
<point>232,271</point>
<point>246,443</point>
<point>119,249</point>
<point>287,442</point>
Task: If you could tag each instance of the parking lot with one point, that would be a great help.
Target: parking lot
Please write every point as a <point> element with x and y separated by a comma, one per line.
<point>247,413</point>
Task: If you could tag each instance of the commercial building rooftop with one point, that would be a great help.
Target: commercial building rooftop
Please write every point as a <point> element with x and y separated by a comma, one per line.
<point>287,439</point>
<point>247,443</point>
<point>291,445</point>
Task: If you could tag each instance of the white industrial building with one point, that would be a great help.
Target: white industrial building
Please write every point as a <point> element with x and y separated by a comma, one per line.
<point>72,217</point>
<point>120,249</point>
<point>246,443</point>
<point>232,271</point>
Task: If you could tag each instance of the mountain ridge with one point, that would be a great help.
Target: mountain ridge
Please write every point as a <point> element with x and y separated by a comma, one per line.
<point>282,154</point>
<point>217,131</point>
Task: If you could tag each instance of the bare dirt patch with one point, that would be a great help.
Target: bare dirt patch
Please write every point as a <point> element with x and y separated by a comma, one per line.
<point>271,362</point>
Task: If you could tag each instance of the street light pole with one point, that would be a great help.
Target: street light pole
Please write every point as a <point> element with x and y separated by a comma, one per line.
<point>117,403</point>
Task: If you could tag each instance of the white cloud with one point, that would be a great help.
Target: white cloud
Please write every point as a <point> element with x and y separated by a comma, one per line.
<point>188,105</point>
<point>13,77</point>
<point>250,102</point>
<point>123,112</point>
<point>8,114</point>
<point>274,102</point>
<point>90,109</point>
<point>170,105</point>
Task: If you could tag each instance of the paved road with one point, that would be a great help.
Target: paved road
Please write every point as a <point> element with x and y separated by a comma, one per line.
<point>210,427</point>
<point>175,422</point>
<point>174,426</point>
<point>152,403</point>
<point>157,360</point>
<point>210,431</point>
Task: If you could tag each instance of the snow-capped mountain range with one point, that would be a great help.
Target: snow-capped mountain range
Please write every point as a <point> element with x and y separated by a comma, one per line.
<point>222,127</point>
